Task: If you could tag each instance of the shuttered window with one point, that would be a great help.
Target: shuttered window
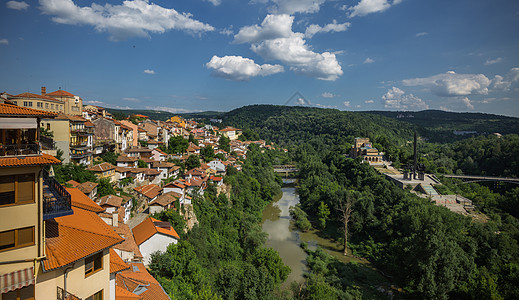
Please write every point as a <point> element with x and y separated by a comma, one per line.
<point>17,189</point>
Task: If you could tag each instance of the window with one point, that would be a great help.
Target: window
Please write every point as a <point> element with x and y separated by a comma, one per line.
<point>93,264</point>
<point>17,238</point>
<point>52,106</point>
<point>25,293</point>
<point>47,105</point>
<point>96,296</point>
<point>16,189</point>
<point>40,104</point>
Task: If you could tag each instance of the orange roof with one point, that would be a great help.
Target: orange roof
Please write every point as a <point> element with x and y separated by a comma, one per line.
<point>138,276</point>
<point>31,95</point>
<point>89,124</point>
<point>74,237</point>
<point>151,190</point>
<point>124,294</point>
<point>81,200</point>
<point>87,187</point>
<point>129,244</point>
<point>117,264</point>
<point>13,110</point>
<point>29,161</point>
<point>102,167</point>
<point>111,200</point>
<point>73,183</point>
<point>229,129</point>
<point>61,93</point>
<point>141,116</point>
<point>148,228</point>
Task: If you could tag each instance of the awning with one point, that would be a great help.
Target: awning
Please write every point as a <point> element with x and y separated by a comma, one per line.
<point>17,123</point>
<point>16,280</point>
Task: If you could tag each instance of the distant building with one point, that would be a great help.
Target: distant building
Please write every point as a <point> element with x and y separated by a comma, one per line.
<point>154,235</point>
<point>231,133</point>
<point>363,148</point>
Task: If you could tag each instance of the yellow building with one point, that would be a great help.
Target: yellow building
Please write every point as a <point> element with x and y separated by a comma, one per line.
<point>40,102</point>
<point>179,120</point>
<point>73,105</point>
<point>364,149</point>
<point>104,170</point>
<point>231,133</point>
<point>27,198</point>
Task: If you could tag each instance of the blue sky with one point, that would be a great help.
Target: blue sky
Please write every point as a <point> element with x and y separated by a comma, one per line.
<point>197,55</point>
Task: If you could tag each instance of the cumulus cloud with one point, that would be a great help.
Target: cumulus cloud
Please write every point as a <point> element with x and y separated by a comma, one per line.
<point>493,61</point>
<point>148,71</point>
<point>451,84</point>
<point>325,105</point>
<point>466,101</point>
<point>368,61</point>
<point>333,27</point>
<point>227,31</point>
<point>396,98</point>
<point>346,103</point>
<point>4,42</point>
<point>272,27</point>
<point>174,110</point>
<point>369,101</point>
<point>131,99</point>
<point>17,5</point>
<point>419,34</point>
<point>94,102</point>
<point>240,68</point>
<point>275,40</point>
<point>505,82</point>
<point>215,2</point>
<point>133,18</point>
<point>328,95</point>
<point>292,6</point>
<point>365,7</point>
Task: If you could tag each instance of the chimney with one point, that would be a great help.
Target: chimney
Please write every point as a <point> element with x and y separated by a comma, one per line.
<point>115,219</point>
<point>43,91</point>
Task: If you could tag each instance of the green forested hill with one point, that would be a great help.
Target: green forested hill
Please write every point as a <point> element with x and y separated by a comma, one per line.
<point>438,126</point>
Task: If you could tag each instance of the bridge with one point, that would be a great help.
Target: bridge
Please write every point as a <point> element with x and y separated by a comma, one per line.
<point>285,169</point>
<point>476,178</point>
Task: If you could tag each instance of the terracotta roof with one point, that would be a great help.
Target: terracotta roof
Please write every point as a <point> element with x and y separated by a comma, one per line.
<point>117,264</point>
<point>126,158</point>
<point>13,111</point>
<point>89,124</point>
<point>175,184</point>
<point>61,93</point>
<point>229,129</point>
<point>166,199</point>
<point>123,169</point>
<point>138,149</point>
<point>129,244</point>
<point>124,294</point>
<point>151,172</point>
<point>141,116</point>
<point>151,190</point>
<point>73,183</point>
<point>214,178</point>
<point>74,237</point>
<point>147,229</point>
<point>163,164</point>
<point>111,200</point>
<point>87,187</point>
<point>36,96</point>
<point>29,161</point>
<point>79,199</point>
<point>138,277</point>
<point>102,167</point>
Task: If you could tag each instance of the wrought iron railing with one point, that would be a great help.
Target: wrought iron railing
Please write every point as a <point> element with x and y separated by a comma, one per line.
<point>19,149</point>
<point>64,295</point>
<point>47,143</point>
<point>56,199</point>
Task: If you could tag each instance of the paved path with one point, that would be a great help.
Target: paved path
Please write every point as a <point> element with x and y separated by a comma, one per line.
<point>136,220</point>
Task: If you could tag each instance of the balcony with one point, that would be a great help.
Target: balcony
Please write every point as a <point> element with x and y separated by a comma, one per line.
<point>56,199</point>
<point>80,152</point>
<point>19,150</point>
<point>47,143</point>
<point>64,295</point>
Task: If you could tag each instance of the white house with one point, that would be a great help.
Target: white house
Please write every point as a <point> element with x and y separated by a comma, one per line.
<point>154,235</point>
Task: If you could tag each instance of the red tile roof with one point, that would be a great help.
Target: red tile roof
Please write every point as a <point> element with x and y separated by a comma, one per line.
<point>150,191</point>
<point>111,200</point>
<point>80,200</point>
<point>36,96</point>
<point>147,229</point>
<point>73,183</point>
<point>61,93</point>
<point>102,167</point>
<point>15,111</point>
<point>124,294</point>
<point>74,237</point>
<point>117,264</point>
<point>137,276</point>
<point>29,161</point>
<point>87,187</point>
<point>166,199</point>
<point>129,244</point>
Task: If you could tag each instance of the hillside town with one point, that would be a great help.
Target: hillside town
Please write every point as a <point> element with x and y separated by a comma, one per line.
<point>67,240</point>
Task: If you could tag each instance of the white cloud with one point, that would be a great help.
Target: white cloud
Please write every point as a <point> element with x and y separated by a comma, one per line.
<point>368,61</point>
<point>451,84</point>
<point>346,103</point>
<point>302,101</point>
<point>419,34</point>
<point>215,2</point>
<point>94,102</point>
<point>171,109</point>
<point>292,6</point>
<point>4,42</point>
<point>133,18</point>
<point>466,101</point>
<point>396,98</point>
<point>513,75</point>
<point>131,99</point>
<point>328,95</point>
<point>333,27</point>
<point>18,5</point>
<point>504,83</point>
<point>227,31</point>
<point>369,101</point>
<point>148,71</point>
<point>358,106</point>
<point>325,106</point>
<point>240,68</point>
<point>493,61</point>
<point>272,27</point>
<point>365,7</point>
<point>275,40</point>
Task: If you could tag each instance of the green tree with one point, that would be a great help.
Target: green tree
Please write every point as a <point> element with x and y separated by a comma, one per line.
<point>141,164</point>
<point>105,188</point>
<point>110,157</point>
<point>207,153</point>
<point>193,161</point>
<point>177,145</point>
<point>223,143</point>
<point>322,215</point>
